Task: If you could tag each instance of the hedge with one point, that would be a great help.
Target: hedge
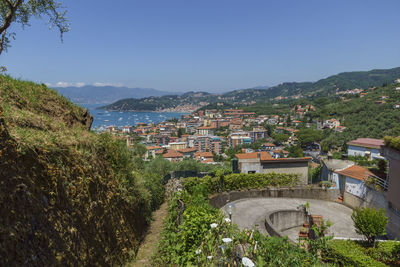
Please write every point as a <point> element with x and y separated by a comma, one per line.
<point>238,181</point>
<point>356,253</point>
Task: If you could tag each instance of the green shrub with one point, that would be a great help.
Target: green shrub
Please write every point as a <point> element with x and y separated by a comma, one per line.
<point>387,252</point>
<point>360,253</point>
<point>370,222</point>
<point>348,253</point>
<point>392,142</point>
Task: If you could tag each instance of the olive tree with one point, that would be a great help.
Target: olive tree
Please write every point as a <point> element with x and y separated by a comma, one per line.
<point>22,11</point>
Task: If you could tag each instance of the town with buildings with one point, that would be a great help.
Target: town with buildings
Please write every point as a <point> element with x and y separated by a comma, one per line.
<point>245,141</point>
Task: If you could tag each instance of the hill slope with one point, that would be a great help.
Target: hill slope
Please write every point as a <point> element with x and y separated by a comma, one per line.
<point>69,197</point>
<point>323,87</point>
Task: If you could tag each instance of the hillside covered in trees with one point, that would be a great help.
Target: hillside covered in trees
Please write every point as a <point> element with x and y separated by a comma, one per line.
<point>375,113</point>
<point>324,87</point>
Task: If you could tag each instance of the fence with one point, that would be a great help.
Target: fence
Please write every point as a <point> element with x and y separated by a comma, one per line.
<point>377,181</point>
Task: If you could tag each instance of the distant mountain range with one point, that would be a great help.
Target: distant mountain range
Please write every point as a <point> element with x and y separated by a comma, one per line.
<point>323,87</point>
<point>106,94</point>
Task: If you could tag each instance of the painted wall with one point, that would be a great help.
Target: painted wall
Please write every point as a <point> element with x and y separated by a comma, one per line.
<point>254,165</point>
<point>360,151</point>
<point>288,167</point>
<point>355,187</point>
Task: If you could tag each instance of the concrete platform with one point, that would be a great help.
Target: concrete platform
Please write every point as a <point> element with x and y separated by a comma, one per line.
<point>252,211</point>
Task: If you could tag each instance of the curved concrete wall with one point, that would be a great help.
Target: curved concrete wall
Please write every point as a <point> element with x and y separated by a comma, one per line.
<point>219,200</point>
<point>281,220</point>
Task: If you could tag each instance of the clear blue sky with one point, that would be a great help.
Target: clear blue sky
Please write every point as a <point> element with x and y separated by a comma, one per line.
<point>211,45</point>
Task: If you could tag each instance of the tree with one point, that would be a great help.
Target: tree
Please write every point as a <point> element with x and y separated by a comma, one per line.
<point>370,223</point>
<point>308,135</point>
<point>296,152</point>
<point>139,150</point>
<point>280,138</point>
<point>21,11</point>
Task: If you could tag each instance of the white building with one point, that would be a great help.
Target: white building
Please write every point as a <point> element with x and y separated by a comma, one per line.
<point>369,147</point>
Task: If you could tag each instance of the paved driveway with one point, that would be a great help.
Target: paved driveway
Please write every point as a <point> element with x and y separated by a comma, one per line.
<point>252,211</point>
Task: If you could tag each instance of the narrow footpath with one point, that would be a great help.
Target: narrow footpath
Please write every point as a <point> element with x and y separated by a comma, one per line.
<point>148,246</point>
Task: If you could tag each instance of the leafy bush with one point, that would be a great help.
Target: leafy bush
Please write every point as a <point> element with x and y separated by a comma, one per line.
<point>179,241</point>
<point>393,142</point>
<point>387,252</point>
<point>348,253</point>
<point>370,222</point>
<point>359,253</point>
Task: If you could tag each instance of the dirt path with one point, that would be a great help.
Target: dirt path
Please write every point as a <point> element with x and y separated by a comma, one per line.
<point>149,244</point>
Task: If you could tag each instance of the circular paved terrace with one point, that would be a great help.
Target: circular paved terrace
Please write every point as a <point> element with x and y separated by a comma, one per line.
<point>251,212</point>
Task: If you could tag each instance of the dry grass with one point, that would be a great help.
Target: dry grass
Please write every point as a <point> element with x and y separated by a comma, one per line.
<point>38,116</point>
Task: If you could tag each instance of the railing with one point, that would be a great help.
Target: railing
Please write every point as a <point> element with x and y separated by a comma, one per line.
<point>377,181</point>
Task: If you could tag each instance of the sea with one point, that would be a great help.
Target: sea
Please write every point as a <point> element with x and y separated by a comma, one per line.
<point>104,118</point>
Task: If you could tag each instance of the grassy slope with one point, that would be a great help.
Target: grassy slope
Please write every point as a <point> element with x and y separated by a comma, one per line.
<point>71,196</point>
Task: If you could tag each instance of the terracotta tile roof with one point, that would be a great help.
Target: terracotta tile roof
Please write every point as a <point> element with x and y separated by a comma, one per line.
<point>269,144</point>
<point>160,151</point>
<point>208,160</point>
<point>263,155</point>
<point>187,150</point>
<point>281,150</point>
<point>367,142</point>
<point>172,154</point>
<point>356,172</point>
<point>203,154</point>
<point>288,159</point>
<point>152,147</point>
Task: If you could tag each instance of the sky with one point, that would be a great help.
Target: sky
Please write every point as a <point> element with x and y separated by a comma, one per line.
<point>207,45</point>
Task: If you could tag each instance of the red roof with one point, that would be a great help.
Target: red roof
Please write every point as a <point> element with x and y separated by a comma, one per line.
<point>203,154</point>
<point>356,172</point>
<point>281,151</point>
<point>152,147</point>
<point>367,142</point>
<point>187,150</point>
<point>269,144</point>
<point>262,155</point>
<point>160,151</point>
<point>172,154</point>
<point>288,159</point>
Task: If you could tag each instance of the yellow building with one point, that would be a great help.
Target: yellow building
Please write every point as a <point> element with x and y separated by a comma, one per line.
<point>177,145</point>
